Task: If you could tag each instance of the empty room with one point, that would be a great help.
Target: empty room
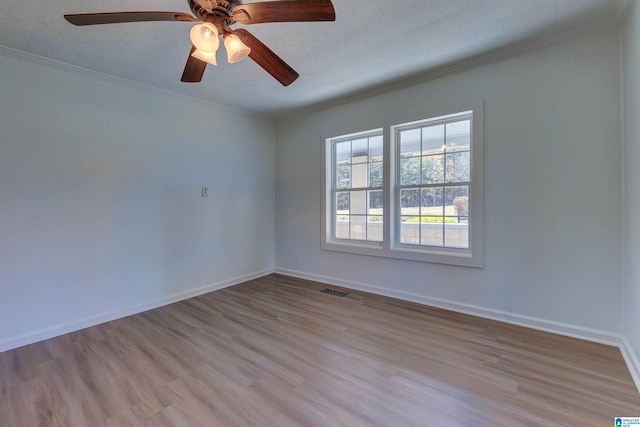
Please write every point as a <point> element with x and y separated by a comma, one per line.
<point>320,213</point>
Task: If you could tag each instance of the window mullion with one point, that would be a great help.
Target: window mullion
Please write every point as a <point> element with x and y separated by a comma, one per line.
<point>444,185</point>
<point>334,192</point>
<point>420,189</point>
<point>388,183</point>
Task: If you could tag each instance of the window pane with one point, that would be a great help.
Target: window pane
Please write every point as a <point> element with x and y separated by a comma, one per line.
<point>358,227</point>
<point>375,174</point>
<point>342,215</point>
<point>374,228</point>
<point>456,235</point>
<point>461,207</point>
<point>409,143</point>
<point>343,177</point>
<point>375,202</point>
<point>342,226</point>
<point>375,148</point>
<point>432,139</point>
<point>358,203</point>
<point>410,202</point>
<point>375,219</point>
<point>432,202</point>
<point>410,230</point>
<point>459,136</point>
<point>360,175</point>
<point>457,219</point>
<point>343,152</point>
<point>431,231</point>
<point>457,200</point>
<point>451,193</point>
<point>433,169</point>
<point>410,171</point>
<point>459,167</point>
<point>360,150</point>
<point>342,202</point>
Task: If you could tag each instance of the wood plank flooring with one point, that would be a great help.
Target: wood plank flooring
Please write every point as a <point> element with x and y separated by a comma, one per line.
<point>277,352</point>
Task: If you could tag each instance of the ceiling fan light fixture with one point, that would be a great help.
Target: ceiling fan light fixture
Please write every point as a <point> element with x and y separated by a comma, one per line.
<point>205,56</point>
<point>205,38</point>
<point>236,50</point>
<point>213,18</point>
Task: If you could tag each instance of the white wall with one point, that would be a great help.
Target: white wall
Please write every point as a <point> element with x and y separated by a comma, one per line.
<point>100,207</point>
<point>631,57</point>
<point>552,192</point>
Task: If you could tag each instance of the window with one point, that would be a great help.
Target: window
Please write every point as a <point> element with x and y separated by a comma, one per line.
<point>433,182</point>
<point>357,187</point>
<point>410,190</point>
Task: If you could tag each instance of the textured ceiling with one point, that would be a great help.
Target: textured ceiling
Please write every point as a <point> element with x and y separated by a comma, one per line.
<point>371,43</point>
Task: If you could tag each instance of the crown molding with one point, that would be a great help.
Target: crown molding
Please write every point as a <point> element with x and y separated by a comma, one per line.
<point>486,58</point>
<point>91,74</point>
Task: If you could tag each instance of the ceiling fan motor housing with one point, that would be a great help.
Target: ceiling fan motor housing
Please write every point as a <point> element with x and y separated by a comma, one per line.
<point>214,11</point>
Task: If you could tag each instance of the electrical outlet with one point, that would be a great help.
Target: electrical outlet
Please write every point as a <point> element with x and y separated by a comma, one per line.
<point>205,191</point>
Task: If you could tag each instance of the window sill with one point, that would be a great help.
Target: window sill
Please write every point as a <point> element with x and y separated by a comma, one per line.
<point>462,258</point>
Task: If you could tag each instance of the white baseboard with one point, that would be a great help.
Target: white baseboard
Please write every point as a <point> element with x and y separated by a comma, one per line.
<point>633,363</point>
<point>76,325</point>
<point>594,335</point>
<point>602,337</point>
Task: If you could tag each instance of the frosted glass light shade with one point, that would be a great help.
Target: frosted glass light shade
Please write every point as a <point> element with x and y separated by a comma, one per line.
<point>236,50</point>
<point>205,56</point>
<point>205,37</point>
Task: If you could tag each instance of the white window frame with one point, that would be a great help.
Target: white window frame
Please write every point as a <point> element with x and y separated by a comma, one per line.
<point>390,246</point>
<point>343,138</point>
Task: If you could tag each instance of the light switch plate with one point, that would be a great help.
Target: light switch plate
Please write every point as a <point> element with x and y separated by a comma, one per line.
<point>205,191</point>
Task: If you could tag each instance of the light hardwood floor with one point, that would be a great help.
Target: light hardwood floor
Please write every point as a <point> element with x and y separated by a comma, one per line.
<point>277,352</point>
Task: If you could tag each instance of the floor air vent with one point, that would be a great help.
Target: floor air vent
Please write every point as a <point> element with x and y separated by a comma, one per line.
<point>334,292</point>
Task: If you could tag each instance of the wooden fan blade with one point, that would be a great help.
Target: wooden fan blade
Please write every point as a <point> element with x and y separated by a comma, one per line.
<point>264,57</point>
<point>284,11</point>
<point>120,17</point>
<point>194,69</point>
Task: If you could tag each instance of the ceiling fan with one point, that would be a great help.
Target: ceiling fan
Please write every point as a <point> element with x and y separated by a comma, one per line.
<point>217,17</point>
